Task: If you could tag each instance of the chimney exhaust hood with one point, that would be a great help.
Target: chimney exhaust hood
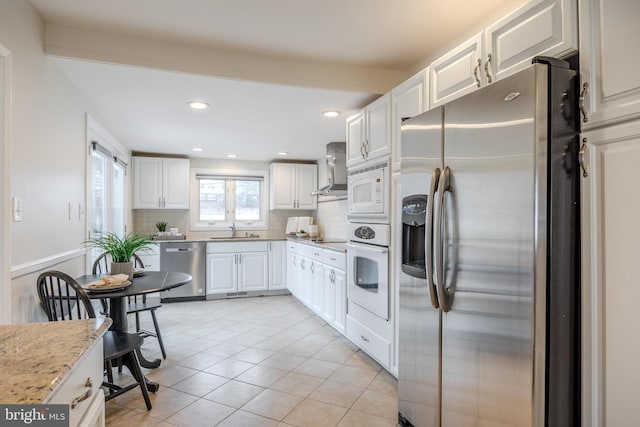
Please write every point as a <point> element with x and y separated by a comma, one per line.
<point>336,170</point>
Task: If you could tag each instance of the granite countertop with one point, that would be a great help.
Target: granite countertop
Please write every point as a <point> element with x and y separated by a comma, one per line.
<point>335,246</point>
<point>223,239</point>
<point>35,358</point>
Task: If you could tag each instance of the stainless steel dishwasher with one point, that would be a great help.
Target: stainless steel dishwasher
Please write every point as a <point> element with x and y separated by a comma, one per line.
<point>186,257</point>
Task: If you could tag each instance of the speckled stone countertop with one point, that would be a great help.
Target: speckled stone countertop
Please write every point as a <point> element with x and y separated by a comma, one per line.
<point>36,357</point>
<point>335,246</point>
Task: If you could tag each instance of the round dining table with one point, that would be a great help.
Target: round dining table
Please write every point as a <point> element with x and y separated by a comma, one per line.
<point>147,283</point>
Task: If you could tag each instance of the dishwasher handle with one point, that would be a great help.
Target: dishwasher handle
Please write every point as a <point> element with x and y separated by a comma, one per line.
<point>175,250</point>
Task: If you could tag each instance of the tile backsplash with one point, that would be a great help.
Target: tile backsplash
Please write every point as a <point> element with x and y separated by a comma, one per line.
<point>144,221</point>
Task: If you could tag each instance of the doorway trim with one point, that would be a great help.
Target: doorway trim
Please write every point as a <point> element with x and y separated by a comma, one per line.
<point>6,102</point>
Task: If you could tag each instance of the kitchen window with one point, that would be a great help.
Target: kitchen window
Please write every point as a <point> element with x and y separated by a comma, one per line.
<point>221,198</point>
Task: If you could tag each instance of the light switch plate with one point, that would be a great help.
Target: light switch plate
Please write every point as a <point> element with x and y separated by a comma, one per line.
<point>16,208</point>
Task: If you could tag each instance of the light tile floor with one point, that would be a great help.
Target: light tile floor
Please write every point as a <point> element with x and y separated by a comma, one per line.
<point>255,362</point>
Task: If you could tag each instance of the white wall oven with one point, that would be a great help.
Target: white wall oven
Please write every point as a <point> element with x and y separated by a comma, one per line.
<point>368,267</point>
<point>368,192</point>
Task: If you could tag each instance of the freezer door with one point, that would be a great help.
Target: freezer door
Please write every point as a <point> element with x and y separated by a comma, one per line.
<point>489,228</point>
<point>419,318</point>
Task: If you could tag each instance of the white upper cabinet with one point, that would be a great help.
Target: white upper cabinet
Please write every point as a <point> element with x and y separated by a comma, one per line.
<point>369,132</point>
<point>458,72</point>
<point>355,137</point>
<point>292,185</point>
<point>539,28</point>
<point>609,31</point>
<point>407,100</point>
<point>160,183</point>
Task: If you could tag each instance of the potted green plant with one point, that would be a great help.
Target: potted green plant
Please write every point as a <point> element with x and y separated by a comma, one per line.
<point>162,227</point>
<point>121,249</point>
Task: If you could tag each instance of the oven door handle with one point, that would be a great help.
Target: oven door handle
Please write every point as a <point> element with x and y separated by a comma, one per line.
<point>372,248</point>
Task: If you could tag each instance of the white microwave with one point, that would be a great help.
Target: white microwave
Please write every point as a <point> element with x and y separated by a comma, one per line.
<point>368,193</point>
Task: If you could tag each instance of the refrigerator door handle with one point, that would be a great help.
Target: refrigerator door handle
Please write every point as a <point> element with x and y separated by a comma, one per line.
<point>428,241</point>
<point>438,244</point>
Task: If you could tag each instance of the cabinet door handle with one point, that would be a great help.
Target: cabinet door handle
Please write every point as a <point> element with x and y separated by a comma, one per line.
<point>583,95</point>
<point>475,72</point>
<point>486,69</point>
<point>239,258</point>
<point>159,202</point>
<point>365,339</point>
<point>84,396</point>
<point>581,153</point>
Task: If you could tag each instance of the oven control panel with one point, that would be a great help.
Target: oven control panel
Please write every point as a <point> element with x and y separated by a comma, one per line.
<point>365,232</point>
<point>373,234</point>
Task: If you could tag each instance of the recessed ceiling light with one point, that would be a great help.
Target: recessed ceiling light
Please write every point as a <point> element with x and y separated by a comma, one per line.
<point>197,149</point>
<point>198,105</point>
<point>232,156</point>
<point>331,113</point>
<point>283,153</point>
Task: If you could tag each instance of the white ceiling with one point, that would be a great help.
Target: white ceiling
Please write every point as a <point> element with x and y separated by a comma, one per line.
<point>145,109</point>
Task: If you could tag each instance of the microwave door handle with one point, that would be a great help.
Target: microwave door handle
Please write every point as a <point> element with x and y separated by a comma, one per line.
<point>428,241</point>
<point>438,244</point>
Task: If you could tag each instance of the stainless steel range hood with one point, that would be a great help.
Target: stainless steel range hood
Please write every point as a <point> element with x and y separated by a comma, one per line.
<point>336,170</point>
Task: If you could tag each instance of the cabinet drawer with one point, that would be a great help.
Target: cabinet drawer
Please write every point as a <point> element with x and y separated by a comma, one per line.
<point>74,386</point>
<point>370,342</point>
<point>292,247</point>
<point>317,254</point>
<point>307,251</point>
<point>335,259</point>
<point>226,247</point>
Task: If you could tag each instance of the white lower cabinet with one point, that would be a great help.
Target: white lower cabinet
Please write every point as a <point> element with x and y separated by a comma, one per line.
<point>305,280</point>
<point>277,265</point>
<point>335,298</point>
<point>237,267</point>
<point>370,341</point>
<point>316,277</point>
<point>81,390</point>
<point>292,273</point>
<point>317,287</point>
<point>610,291</point>
<point>94,416</point>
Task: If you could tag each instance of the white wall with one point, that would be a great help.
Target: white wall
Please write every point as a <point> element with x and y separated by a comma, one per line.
<point>48,160</point>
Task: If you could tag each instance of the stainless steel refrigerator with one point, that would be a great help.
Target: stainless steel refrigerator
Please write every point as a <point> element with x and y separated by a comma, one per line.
<point>489,289</point>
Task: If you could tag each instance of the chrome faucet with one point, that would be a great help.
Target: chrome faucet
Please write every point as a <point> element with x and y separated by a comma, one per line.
<point>233,229</point>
